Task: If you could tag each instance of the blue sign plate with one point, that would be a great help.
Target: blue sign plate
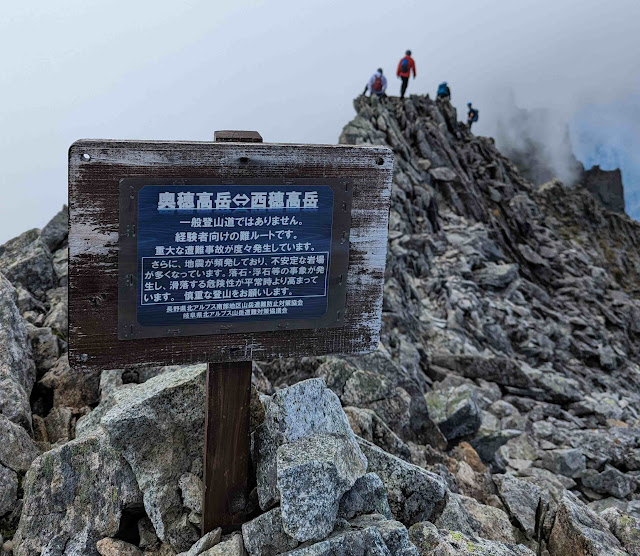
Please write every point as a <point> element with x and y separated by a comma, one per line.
<point>210,258</point>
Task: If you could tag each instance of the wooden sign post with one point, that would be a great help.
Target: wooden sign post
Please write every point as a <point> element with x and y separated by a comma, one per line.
<point>224,252</point>
<point>226,424</point>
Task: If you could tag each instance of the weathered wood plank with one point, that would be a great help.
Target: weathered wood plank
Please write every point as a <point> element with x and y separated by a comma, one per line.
<point>226,445</point>
<point>93,245</point>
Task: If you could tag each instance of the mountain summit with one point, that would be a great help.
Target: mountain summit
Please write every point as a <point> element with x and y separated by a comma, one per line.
<point>500,414</point>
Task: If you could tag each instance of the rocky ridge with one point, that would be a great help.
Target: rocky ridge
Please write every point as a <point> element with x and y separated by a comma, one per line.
<point>500,415</point>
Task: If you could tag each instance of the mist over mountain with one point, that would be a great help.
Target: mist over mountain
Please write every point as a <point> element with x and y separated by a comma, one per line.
<point>539,142</point>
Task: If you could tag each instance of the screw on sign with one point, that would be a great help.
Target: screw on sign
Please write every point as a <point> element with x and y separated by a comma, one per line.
<point>221,253</point>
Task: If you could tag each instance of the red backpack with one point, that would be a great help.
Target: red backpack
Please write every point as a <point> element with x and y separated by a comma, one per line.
<point>377,84</point>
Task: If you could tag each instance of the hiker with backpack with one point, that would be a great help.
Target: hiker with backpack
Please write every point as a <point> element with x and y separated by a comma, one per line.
<point>472,115</point>
<point>443,91</point>
<point>377,84</point>
<point>405,67</point>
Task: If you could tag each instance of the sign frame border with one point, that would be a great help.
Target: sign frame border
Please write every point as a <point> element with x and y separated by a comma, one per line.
<point>95,169</point>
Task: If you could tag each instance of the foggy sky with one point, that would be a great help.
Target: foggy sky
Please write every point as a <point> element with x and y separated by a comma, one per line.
<point>145,69</point>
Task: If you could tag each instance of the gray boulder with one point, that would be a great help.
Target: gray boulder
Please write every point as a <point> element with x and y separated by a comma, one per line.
<point>157,427</point>
<point>443,174</point>
<point>61,266</point>
<point>414,494</point>
<point>191,489</point>
<point>367,496</point>
<point>17,449</point>
<point>264,453</point>
<point>58,316</point>
<point>26,260</point>
<point>496,275</point>
<point>44,347</point>
<point>312,475</point>
<point>405,411</point>
<point>431,542</point>
<point>500,370</point>
<point>469,517</point>
<point>455,410</point>
<point>368,425</point>
<point>580,532</point>
<point>57,230</point>
<point>17,369</point>
<point>626,529</point>
<point>117,547</point>
<point>72,388</point>
<point>609,481</point>
<point>299,412</point>
<point>265,535</point>
<point>303,410</point>
<point>455,517</point>
<point>232,546</point>
<point>369,535</point>
<point>8,489</point>
<point>493,523</point>
<point>521,499</point>
<point>569,462</point>
<point>75,495</point>
<point>208,541</point>
<point>393,533</point>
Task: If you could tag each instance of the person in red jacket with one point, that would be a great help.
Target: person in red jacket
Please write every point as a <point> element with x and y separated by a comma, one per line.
<point>405,67</point>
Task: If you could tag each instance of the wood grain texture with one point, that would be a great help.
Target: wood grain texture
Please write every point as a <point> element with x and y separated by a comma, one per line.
<point>226,445</point>
<point>95,168</point>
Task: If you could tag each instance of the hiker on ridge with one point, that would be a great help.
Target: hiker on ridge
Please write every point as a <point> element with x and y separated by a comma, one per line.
<point>377,84</point>
<point>405,67</point>
<point>472,115</point>
<point>443,91</point>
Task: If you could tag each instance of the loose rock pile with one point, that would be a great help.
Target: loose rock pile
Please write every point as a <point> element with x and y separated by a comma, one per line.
<point>500,415</point>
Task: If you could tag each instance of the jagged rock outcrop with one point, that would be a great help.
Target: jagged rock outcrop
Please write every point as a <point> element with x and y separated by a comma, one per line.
<point>605,186</point>
<point>500,415</point>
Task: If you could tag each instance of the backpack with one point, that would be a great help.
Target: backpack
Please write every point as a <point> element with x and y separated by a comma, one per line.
<point>404,65</point>
<point>377,84</point>
<point>474,114</point>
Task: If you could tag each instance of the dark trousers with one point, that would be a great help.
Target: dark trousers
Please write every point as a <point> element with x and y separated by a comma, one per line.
<point>403,89</point>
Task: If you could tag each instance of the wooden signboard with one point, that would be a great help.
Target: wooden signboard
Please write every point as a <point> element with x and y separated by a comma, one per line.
<point>224,252</point>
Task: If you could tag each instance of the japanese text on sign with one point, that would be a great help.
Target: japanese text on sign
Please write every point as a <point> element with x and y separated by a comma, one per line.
<point>233,254</point>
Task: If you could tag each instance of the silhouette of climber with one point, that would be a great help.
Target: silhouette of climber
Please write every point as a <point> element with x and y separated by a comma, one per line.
<point>443,91</point>
<point>405,67</point>
<point>472,115</point>
<point>377,84</point>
